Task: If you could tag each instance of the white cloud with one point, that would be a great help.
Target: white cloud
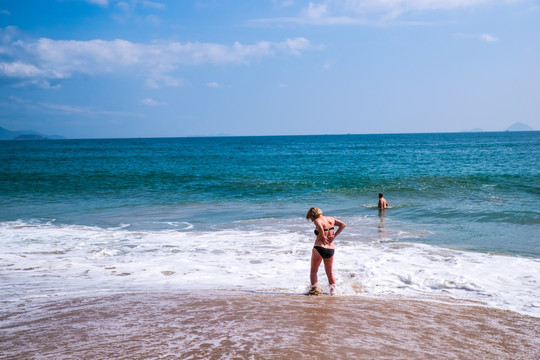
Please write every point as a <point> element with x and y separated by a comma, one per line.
<point>156,81</point>
<point>62,109</point>
<point>153,19</point>
<point>124,11</point>
<point>315,11</point>
<point>370,12</point>
<point>482,37</point>
<point>40,83</point>
<point>122,5</point>
<point>60,59</point>
<point>213,84</point>
<point>488,38</point>
<point>294,46</point>
<point>283,3</point>
<point>67,109</point>
<point>153,5</point>
<point>313,20</point>
<point>98,2</point>
<point>397,7</point>
<point>19,70</point>
<point>144,3</point>
<point>152,102</point>
<point>7,35</point>
<point>29,106</point>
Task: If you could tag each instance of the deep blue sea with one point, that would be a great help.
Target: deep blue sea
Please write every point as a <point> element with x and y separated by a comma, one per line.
<point>229,212</point>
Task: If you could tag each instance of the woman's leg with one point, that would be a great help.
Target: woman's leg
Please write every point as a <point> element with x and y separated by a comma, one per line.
<point>329,269</point>
<point>316,259</point>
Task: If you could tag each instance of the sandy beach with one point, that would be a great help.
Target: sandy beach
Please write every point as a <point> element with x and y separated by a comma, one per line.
<point>240,325</point>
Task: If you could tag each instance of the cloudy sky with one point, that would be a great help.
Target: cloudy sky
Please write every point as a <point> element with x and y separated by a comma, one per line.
<point>153,68</point>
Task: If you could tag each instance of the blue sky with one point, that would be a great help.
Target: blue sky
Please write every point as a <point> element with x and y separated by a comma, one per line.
<point>154,68</point>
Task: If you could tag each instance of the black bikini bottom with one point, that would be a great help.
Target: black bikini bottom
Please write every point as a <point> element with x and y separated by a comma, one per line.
<point>324,252</point>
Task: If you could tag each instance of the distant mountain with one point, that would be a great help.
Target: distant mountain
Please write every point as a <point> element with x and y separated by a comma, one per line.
<point>519,127</point>
<point>7,135</point>
<point>12,135</point>
<point>29,137</point>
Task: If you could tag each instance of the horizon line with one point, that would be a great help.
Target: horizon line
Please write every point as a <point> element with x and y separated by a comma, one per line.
<point>275,135</point>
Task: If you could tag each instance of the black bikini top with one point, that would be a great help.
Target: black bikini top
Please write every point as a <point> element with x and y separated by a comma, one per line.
<point>317,233</point>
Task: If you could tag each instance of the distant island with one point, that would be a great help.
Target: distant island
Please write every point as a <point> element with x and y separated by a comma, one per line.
<point>519,127</point>
<point>29,137</point>
<point>34,135</point>
<point>515,127</point>
<point>26,135</point>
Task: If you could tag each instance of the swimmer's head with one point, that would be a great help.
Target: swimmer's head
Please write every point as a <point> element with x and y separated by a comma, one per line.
<point>380,195</point>
<point>313,213</point>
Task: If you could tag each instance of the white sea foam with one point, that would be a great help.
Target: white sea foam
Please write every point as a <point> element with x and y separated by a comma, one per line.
<point>44,259</point>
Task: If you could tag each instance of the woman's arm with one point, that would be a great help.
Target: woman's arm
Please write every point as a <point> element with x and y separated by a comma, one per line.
<point>322,236</point>
<point>341,226</point>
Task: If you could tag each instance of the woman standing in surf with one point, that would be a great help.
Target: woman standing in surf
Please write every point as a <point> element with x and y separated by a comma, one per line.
<point>323,250</point>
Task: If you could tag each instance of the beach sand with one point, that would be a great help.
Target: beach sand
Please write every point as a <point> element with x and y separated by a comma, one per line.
<point>244,325</point>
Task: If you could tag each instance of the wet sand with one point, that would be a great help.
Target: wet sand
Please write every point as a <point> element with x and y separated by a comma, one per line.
<point>239,325</point>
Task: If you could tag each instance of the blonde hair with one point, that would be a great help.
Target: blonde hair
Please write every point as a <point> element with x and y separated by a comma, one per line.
<point>313,213</point>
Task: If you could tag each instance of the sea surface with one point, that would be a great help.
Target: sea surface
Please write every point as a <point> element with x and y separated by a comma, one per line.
<point>90,217</point>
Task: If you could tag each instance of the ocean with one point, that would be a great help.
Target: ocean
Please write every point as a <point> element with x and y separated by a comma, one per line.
<point>81,219</point>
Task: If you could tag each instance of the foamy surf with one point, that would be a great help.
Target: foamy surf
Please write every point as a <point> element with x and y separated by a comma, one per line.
<point>40,258</point>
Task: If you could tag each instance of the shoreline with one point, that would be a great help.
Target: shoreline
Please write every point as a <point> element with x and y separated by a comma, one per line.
<point>223,324</point>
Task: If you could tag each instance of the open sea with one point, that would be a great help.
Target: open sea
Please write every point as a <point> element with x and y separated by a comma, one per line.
<point>82,218</point>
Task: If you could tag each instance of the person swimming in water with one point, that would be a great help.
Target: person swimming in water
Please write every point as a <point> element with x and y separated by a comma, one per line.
<point>382,202</point>
<point>323,249</point>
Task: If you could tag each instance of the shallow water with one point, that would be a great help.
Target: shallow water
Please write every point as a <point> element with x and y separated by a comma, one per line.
<point>233,325</point>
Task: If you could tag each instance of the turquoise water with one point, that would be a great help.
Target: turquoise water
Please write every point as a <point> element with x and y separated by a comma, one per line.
<point>86,217</point>
<point>471,191</point>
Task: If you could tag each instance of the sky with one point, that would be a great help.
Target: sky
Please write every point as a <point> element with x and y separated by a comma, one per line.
<point>157,68</point>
